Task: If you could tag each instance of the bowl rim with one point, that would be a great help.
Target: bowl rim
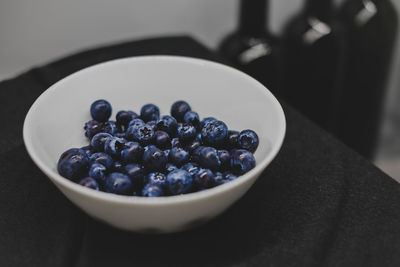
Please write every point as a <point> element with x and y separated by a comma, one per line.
<point>164,200</point>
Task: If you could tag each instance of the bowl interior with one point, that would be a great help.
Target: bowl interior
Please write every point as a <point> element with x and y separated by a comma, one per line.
<point>55,121</point>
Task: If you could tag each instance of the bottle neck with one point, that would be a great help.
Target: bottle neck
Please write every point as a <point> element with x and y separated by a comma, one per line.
<point>253,16</point>
<point>320,9</point>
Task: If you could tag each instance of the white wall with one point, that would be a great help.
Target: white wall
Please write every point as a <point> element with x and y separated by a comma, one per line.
<point>33,32</point>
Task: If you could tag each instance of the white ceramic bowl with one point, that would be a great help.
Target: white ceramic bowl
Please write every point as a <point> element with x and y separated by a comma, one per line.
<point>55,122</point>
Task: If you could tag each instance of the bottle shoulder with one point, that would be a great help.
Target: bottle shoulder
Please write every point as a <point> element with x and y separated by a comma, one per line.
<point>244,49</point>
<point>363,13</point>
<point>309,30</point>
<point>238,41</point>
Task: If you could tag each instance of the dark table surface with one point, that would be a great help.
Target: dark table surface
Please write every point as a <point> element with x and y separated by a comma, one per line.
<point>317,204</point>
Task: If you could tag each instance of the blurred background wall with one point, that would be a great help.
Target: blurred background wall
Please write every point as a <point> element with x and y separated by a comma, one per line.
<point>34,32</point>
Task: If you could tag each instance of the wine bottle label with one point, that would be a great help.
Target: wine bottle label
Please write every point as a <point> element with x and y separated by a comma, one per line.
<point>318,30</point>
<point>366,13</point>
<point>257,50</point>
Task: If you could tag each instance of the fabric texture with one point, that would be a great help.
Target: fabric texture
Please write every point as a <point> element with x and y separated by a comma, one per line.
<point>317,204</point>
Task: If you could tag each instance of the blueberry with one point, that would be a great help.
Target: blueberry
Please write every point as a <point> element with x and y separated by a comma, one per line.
<point>205,120</point>
<point>88,150</point>
<point>178,156</point>
<point>186,132</point>
<point>191,167</point>
<point>156,178</point>
<point>120,135</point>
<point>98,141</point>
<point>102,158</point>
<point>97,171</point>
<point>166,152</point>
<point>152,124</point>
<point>232,140</point>
<point>136,173</point>
<point>192,118</point>
<point>149,112</point>
<point>229,176</point>
<point>167,124</point>
<point>248,140</point>
<point>100,110</point>
<point>89,183</point>
<point>110,127</point>
<point>152,190</point>
<point>179,109</point>
<point>136,123</point>
<point>198,137</point>
<point>70,152</point>
<point>124,117</point>
<point>129,132</point>
<point>214,133</point>
<point>118,183</point>
<point>242,161</point>
<point>143,134</point>
<point>204,178</point>
<point>92,128</point>
<point>208,158</point>
<point>132,152</point>
<point>153,158</point>
<point>73,163</point>
<point>225,159</point>
<point>191,146</point>
<point>162,139</point>
<point>113,146</point>
<point>196,153</point>
<point>132,127</point>
<point>170,167</point>
<point>219,179</point>
<point>179,182</point>
<point>175,142</point>
<point>117,167</point>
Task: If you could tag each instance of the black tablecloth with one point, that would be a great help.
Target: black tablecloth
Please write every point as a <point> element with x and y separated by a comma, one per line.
<point>317,204</point>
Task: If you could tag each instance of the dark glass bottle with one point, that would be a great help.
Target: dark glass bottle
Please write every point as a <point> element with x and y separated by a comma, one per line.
<point>314,58</point>
<point>371,27</point>
<point>251,48</point>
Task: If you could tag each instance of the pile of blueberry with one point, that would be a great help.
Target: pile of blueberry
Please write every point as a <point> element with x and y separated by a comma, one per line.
<point>153,156</point>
